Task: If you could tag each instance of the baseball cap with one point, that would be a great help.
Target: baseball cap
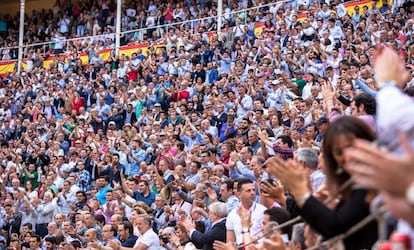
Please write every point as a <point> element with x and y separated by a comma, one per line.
<point>298,72</point>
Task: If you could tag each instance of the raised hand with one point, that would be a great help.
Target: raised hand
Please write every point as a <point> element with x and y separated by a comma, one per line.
<point>273,190</point>
<point>328,92</point>
<point>212,194</point>
<point>389,66</point>
<point>290,174</point>
<point>370,167</point>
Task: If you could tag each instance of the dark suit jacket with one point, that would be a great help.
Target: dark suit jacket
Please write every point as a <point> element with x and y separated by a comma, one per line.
<point>217,232</point>
<point>93,170</point>
<point>219,120</point>
<point>330,223</point>
<point>90,75</point>
<point>133,117</point>
<point>13,224</point>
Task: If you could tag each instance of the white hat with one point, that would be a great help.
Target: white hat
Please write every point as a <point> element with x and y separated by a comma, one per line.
<point>274,82</point>
<point>65,168</point>
<point>278,72</point>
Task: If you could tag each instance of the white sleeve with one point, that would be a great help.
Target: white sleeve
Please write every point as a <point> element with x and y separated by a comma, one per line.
<point>230,222</point>
<point>395,112</point>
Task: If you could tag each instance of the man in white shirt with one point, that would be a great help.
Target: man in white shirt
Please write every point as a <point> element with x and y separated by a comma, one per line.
<point>206,128</point>
<point>149,239</point>
<point>275,98</point>
<point>335,31</point>
<point>59,42</point>
<point>245,104</point>
<point>122,69</point>
<point>247,194</point>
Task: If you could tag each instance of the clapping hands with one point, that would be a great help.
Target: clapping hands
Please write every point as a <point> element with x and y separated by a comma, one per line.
<point>290,174</point>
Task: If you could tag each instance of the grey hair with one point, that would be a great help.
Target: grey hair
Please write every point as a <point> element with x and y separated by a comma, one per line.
<point>298,234</point>
<point>146,218</point>
<point>220,168</point>
<point>161,197</point>
<point>253,132</point>
<point>309,156</point>
<point>168,230</point>
<point>218,208</point>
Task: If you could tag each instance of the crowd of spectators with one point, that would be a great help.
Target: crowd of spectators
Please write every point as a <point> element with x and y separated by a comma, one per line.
<point>167,148</point>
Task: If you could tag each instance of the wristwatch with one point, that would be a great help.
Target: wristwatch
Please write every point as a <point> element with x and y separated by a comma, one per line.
<point>245,230</point>
<point>409,194</point>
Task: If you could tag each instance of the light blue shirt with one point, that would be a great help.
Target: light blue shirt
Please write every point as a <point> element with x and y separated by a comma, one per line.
<point>232,203</point>
<point>241,171</point>
<point>101,194</point>
<point>189,142</point>
<point>317,178</point>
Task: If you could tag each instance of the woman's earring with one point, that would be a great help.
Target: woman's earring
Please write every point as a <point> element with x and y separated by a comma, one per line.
<point>339,171</point>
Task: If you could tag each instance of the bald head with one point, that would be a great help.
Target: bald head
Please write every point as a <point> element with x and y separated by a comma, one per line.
<point>91,235</point>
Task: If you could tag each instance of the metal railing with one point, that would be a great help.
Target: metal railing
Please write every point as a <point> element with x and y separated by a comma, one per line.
<point>70,41</point>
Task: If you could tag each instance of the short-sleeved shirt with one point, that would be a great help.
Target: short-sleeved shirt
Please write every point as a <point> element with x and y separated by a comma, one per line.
<point>233,222</point>
<point>300,83</point>
<point>130,242</point>
<point>149,199</point>
<point>150,239</point>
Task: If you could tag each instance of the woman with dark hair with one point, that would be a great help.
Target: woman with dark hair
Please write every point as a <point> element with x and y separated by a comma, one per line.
<point>352,206</point>
<point>276,125</point>
<point>31,191</point>
<point>208,140</point>
<point>198,103</point>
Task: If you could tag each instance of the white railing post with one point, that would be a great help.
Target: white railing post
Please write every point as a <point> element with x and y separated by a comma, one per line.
<point>220,16</point>
<point>118,26</point>
<point>21,36</point>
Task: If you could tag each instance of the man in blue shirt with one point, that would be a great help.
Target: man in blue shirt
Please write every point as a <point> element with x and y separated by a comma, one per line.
<point>190,135</point>
<point>144,194</point>
<point>139,190</point>
<point>103,186</point>
<point>126,234</point>
<point>228,130</point>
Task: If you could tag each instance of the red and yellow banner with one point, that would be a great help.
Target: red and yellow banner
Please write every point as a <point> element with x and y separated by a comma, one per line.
<point>349,6</point>
<point>6,67</point>
<point>9,66</point>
